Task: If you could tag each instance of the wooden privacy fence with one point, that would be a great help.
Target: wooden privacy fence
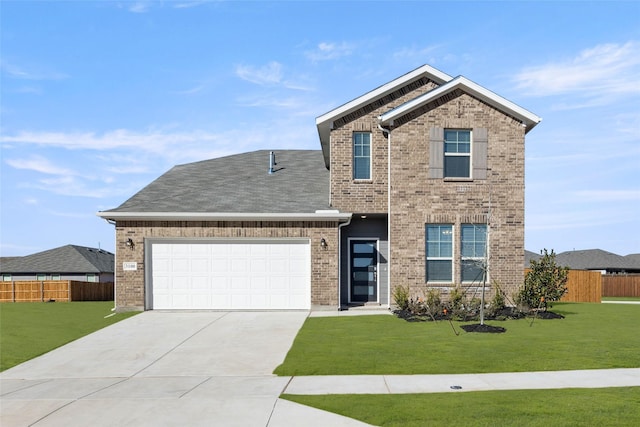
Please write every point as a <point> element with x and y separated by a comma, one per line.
<point>57,290</point>
<point>582,286</point>
<point>621,285</point>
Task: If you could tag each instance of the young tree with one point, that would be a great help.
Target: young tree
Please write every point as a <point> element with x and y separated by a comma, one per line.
<point>544,282</point>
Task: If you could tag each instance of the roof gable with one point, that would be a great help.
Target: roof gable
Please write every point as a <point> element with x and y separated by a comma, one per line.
<point>324,122</point>
<point>528,119</point>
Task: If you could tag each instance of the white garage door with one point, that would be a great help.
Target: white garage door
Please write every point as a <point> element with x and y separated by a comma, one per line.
<point>231,275</point>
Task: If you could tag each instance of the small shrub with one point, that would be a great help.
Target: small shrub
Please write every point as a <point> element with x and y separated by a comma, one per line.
<point>433,302</point>
<point>545,282</point>
<point>401,297</point>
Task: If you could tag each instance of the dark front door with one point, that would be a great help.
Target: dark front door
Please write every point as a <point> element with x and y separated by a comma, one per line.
<point>363,270</point>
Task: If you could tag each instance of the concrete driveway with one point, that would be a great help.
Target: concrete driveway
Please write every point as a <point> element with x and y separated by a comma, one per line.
<point>164,369</point>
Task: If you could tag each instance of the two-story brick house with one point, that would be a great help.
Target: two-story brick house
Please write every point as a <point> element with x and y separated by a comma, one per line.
<point>419,182</point>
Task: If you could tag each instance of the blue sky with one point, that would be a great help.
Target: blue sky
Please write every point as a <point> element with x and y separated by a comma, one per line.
<point>100,98</point>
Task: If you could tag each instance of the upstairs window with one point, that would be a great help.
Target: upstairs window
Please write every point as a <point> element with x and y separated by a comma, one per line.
<point>457,153</point>
<point>92,277</point>
<point>453,156</point>
<point>41,277</point>
<point>473,252</point>
<point>361,155</point>
<point>439,250</point>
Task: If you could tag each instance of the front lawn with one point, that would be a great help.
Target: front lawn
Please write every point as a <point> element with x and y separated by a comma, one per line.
<point>574,407</point>
<point>28,330</point>
<point>590,336</point>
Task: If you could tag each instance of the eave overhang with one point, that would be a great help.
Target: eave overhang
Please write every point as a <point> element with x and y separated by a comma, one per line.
<point>527,118</point>
<point>324,123</point>
<point>328,215</point>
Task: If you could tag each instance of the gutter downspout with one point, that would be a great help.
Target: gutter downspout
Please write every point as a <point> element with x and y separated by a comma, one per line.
<point>388,132</point>
<point>344,224</point>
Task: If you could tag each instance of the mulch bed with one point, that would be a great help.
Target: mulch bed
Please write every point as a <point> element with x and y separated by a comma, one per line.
<point>483,328</point>
<point>504,314</point>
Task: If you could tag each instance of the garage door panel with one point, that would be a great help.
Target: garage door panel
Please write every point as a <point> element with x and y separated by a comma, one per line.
<point>272,274</point>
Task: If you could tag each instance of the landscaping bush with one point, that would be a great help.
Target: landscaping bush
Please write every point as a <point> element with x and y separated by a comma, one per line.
<point>545,282</point>
<point>401,297</point>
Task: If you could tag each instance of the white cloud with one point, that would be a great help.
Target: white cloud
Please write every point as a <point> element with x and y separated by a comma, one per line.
<point>608,195</point>
<point>325,51</point>
<point>269,74</point>
<point>38,164</point>
<point>32,73</point>
<point>423,54</point>
<point>190,91</point>
<point>30,201</point>
<point>600,74</point>
<point>189,4</point>
<point>139,7</point>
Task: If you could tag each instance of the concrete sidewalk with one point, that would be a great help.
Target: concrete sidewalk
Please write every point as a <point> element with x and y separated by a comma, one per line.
<point>398,384</point>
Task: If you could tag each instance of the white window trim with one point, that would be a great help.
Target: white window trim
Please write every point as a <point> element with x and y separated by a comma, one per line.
<point>353,157</point>
<point>486,249</point>
<point>452,258</point>
<point>469,154</point>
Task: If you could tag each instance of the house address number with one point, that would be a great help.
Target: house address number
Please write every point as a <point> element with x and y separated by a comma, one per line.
<point>129,266</point>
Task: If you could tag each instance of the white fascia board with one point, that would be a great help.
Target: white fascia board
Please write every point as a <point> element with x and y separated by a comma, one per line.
<point>231,216</point>
<point>324,123</point>
<point>433,74</point>
<point>484,94</point>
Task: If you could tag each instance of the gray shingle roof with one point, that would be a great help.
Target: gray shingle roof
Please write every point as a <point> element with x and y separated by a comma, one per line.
<point>528,256</point>
<point>65,259</point>
<point>595,259</point>
<point>239,184</point>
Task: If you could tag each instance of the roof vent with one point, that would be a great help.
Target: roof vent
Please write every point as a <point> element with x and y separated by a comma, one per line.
<point>272,162</point>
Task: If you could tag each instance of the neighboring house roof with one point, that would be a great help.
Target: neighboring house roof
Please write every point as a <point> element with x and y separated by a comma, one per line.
<point>633,259</point>
<point>236,186</point>
<point>528,119</point>
<point>325,121</point>
<point>528,256</point>
<point>594,259</point>
<point>65,259</point>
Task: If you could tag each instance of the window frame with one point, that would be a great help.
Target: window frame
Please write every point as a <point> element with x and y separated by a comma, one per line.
<point>450,258</point>
<point>354,155</point>
<point>468,154</point>
<point>474,256</point>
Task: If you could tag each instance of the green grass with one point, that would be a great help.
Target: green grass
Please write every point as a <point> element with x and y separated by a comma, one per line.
<point>28,330</point>
<point>591,336</point>
<point>565,407</point>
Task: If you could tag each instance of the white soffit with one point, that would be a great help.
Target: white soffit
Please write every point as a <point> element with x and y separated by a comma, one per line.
<point>528,118</point>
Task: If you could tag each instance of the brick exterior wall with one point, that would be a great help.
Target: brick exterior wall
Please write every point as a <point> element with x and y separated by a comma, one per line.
<point>368,196</point>
<point>417,200</point>
<point>130,285</point>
